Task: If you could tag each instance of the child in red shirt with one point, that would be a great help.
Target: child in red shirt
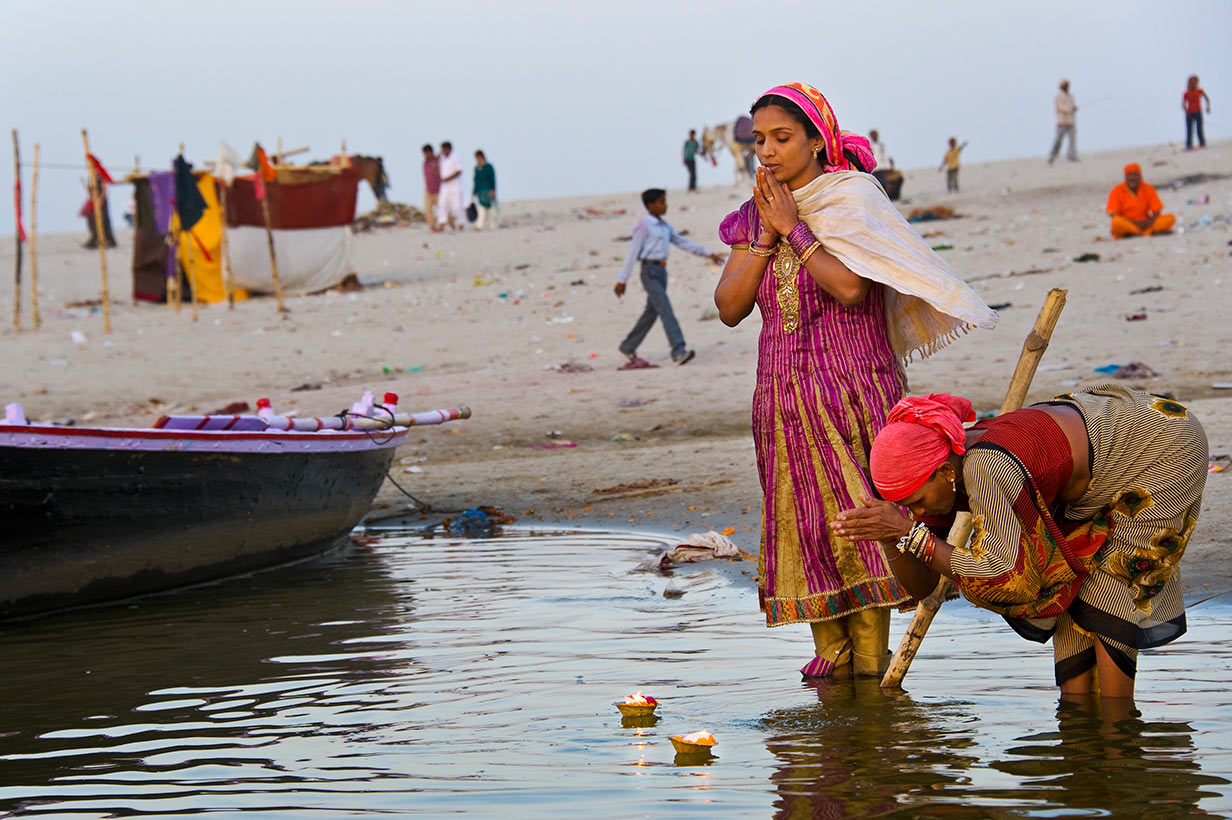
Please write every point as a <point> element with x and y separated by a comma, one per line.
<point>1191,101</point>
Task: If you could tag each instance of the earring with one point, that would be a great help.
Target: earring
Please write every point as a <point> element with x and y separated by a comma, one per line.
<point>953,484</point>
<point>816,151</point>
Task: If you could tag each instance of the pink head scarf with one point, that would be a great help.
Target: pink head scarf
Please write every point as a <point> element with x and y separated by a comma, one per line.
<point>838,143</point>
<point>919,435</point>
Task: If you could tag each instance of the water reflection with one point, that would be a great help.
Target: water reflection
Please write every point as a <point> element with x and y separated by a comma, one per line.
<point>193,687</point>
<point>1104,754</point>
<point>862,752</point>
<point>444,676</point>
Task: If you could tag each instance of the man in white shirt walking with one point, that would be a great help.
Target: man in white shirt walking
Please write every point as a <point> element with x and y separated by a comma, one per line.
<point>449,206</point>
<point>1065,123</point>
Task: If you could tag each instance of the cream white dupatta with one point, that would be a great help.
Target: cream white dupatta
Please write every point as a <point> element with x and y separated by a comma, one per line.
<point>927,304</point>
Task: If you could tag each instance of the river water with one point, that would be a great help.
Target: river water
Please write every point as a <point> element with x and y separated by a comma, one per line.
<point>419,676</point>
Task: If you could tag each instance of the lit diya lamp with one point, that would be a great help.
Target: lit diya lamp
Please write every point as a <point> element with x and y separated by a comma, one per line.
<point>638,705</point>
<point>694,744</point>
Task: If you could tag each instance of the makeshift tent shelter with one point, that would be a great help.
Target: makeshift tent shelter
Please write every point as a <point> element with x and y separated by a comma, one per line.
<point>159,245</point>
<point>311,210</point>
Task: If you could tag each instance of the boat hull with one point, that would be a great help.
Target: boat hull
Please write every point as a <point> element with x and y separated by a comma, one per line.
<point>81,525</point>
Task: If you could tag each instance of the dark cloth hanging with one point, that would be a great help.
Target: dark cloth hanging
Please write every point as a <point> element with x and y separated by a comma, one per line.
<point>189,203</point>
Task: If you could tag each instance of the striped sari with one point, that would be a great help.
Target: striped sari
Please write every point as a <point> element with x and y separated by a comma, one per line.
<point>1105,565</point>
<point>827,375</point>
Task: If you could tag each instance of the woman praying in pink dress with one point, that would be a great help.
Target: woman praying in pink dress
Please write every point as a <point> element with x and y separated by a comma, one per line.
<point>848,292</point>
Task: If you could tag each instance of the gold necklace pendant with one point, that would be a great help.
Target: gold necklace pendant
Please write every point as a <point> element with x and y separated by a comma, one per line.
<point>786,267</point>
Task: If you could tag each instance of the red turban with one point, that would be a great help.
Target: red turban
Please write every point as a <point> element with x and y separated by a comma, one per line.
<point>1133,168</point>
<point>919,435</point>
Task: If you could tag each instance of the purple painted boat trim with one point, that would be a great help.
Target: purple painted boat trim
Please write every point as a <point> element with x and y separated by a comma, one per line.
<point>198,441</point>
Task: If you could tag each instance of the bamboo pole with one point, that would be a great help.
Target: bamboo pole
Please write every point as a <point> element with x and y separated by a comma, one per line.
<point>34,305</point>
<point>192,286</point>
<point>228,276</point>
<point>96,189</point>
<point>1032,351</point>
<point>178,268</point>
<point>269,238</point>
<point>16,237</point>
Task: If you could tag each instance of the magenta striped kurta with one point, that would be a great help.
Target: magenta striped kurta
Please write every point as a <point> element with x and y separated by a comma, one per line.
<point>826,378</point>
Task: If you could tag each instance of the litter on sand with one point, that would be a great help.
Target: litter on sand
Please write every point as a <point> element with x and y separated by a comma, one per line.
<point>637,363</point>
<point>1087,257</point>
<point>1135,370</point>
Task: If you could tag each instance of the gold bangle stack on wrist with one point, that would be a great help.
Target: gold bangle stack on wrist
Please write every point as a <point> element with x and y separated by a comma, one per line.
<point>919,542</point>
<point>809,251</point>
<point>760,250</point>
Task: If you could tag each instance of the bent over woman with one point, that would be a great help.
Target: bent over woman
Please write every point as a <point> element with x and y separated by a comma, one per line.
<point>1083,507</point>
<point>848,291</point>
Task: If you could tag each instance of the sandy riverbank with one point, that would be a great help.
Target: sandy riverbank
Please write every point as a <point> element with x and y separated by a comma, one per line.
<point>482,320</point>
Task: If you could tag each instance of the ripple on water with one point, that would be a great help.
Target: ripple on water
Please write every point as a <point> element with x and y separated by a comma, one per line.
<point>429,676</point>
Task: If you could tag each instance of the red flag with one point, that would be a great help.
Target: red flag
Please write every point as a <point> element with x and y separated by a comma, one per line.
<point>99,170</point>
<point>21,229</point>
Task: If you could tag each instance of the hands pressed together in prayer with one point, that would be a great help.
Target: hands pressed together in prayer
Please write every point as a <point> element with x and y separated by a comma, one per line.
<point>875,520</point>
<point>775,205</point>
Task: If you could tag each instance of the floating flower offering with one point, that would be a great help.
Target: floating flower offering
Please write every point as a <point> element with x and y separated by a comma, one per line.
<point>638,705</point>
<point>696,743</point>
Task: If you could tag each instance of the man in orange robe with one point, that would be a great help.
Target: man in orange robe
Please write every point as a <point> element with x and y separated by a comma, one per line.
<point>1135,207</point>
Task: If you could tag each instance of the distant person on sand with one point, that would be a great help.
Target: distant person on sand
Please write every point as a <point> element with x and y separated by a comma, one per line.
<point>652,238</point>
<point>87,210</point>
<point>1135,207</point>
<point>450,210</point>
<point>883,159</point>
<point>950,163</point>
<point>432,186</point>
<point>484,191</point>
<point>1066,107</point>
<point>1191,101</point>
<point>890,179</point>
<point>848,292</point>
<point>690,158</point>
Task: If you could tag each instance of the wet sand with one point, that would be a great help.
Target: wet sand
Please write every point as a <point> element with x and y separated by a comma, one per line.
<point>483,320</point>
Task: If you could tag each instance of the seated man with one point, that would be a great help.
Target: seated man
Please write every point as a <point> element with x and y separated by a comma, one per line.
<point>1135,207</point>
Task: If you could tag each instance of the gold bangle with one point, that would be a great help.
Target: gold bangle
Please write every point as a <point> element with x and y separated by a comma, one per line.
<point>755,251</point>
<point>809,251</point>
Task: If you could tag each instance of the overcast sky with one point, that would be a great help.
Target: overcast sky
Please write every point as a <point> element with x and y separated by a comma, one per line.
<point>582,97</point>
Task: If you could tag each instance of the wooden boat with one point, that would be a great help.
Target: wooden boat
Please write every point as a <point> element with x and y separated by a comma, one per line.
<point>91,515</point>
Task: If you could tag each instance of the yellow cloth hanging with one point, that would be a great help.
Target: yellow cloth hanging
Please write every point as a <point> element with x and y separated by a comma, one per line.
<point>204,243</point>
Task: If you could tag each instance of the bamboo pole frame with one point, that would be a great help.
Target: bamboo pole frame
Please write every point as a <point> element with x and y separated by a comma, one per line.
<point>96,187</point>
<point>269,238</point>
<point>191,278</point>
<point>228,274</point>
<point>1032,351</point>
<point>34,293</point>
<point>16,236</point>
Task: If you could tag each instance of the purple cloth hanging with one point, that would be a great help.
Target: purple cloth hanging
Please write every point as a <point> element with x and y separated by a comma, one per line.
<point>162,196</point>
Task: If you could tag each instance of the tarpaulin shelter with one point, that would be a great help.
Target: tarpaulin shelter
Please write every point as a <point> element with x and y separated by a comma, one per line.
<point>198,252</point>
<point>311,210</point>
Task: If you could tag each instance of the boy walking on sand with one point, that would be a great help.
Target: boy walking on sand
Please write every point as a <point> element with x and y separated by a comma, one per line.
<point>950,164</point>
<point>652,239</point>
